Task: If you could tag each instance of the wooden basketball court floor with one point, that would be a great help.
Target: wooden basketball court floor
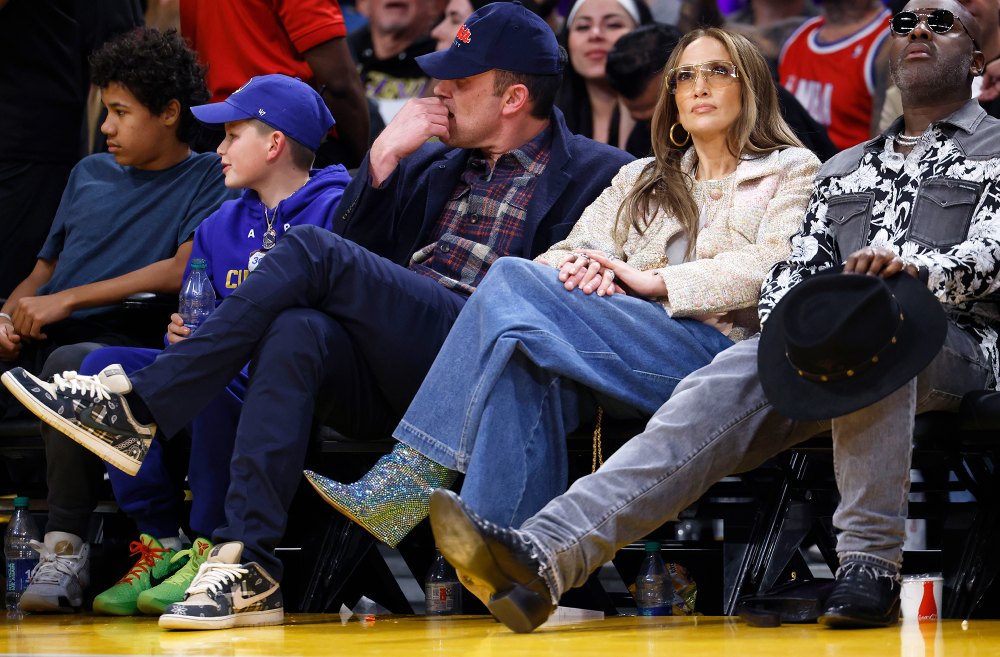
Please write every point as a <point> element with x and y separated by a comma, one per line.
<point>475,636</point>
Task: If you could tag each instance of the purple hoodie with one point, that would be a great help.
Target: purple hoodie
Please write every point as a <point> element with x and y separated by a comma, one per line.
<point>228,237</point>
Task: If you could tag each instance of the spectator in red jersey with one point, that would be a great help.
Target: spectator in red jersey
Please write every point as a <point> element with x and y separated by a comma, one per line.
<point>769,23</point>
<point>300,38</point>
<point>836,67</point>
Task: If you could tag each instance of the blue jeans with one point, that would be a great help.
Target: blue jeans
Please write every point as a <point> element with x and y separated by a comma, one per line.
<point>717,422</point>
<point>153,498</point>
<point>519,370</point>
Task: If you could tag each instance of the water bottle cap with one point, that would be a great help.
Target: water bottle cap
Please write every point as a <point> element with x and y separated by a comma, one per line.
<point>21,502</point>
<point>652,546</point>
<point>198,263</point>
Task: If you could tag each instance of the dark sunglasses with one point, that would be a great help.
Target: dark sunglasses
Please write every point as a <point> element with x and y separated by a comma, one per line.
<point>938,21</point>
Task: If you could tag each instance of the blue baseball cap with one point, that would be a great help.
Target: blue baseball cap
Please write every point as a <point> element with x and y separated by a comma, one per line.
<point>282,102</point>
<point>502,35</point>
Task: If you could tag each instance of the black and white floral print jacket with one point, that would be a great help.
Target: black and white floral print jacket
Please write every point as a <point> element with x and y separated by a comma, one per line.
<point>938,207</point>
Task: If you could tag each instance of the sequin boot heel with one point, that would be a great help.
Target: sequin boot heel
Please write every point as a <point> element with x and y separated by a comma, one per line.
<point>392,497</point>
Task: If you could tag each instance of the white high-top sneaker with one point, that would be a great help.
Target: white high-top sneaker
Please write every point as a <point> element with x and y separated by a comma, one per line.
<point>62,573</point>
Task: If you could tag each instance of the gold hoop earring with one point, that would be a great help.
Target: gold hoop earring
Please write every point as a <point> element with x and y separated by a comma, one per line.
<point>673,140</point>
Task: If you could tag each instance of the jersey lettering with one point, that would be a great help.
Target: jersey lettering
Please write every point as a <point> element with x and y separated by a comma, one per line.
<point>815,97</point>
<point>236,276</point>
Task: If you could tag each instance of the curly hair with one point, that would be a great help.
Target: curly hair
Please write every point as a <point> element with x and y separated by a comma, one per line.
<point>156,67</point>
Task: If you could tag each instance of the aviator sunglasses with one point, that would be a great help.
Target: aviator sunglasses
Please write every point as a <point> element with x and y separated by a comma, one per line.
<point>938,21</point>
<point>715,73</point>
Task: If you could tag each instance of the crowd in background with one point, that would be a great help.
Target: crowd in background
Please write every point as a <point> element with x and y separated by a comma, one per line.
<point>835,77</point>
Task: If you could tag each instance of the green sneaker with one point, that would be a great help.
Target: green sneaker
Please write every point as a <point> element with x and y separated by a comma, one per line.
<point>155,565</point>
<point>157,599</point>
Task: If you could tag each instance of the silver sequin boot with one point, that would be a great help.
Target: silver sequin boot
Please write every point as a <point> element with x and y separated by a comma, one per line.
<point>392,498</point>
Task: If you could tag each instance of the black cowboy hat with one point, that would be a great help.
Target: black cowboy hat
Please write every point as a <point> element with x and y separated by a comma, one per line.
<point>838,342</point>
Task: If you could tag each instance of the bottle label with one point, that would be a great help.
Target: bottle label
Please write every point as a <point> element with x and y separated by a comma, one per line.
<point>441,597</point>
<point>18,574</point>
<point>664,610</point>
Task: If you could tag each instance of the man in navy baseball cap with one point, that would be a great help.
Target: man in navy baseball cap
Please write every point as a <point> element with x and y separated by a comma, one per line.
<point>282,102</point>
<point>502,35</point>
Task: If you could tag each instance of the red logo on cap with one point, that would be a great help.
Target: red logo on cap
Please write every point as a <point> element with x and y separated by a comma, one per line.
<point>464,35</point>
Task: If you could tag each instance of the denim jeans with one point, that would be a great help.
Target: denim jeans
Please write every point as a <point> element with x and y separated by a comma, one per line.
<point>718,422</point>
<point>519,371</point>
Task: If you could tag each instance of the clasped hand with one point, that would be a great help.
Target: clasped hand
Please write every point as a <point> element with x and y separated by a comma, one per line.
<point>31,314</point>
<point>604,273</point>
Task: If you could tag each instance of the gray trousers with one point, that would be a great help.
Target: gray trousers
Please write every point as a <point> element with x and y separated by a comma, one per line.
<point>718,422</point>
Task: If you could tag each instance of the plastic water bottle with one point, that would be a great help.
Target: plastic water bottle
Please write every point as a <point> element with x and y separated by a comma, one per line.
<point>654,588</point>
<point>441,589</point>
<point>21,557</point>
<point>197,296</point>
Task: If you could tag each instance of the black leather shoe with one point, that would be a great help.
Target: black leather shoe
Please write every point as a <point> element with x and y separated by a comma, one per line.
<point>496,563</point>
<point>864,596</point>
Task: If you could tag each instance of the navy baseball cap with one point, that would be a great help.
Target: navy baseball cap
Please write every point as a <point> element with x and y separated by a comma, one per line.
<point>282,102</point>
<point>501,35</point>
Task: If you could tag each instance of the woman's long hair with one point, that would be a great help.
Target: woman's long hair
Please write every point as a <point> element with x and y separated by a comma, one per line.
<point>572,98</point>
<point>759,129</point>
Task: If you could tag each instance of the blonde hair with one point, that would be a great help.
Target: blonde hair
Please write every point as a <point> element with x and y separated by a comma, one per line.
<point>303,157</point>
<point>759,129</point>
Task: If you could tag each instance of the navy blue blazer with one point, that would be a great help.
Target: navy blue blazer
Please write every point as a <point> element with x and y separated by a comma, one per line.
<point>397,219</point>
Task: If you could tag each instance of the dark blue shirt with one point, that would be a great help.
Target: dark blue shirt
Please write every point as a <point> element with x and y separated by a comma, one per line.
<point>113,219</point>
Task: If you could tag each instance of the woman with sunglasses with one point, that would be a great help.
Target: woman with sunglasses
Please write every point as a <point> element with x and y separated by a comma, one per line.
<point>661,273</point>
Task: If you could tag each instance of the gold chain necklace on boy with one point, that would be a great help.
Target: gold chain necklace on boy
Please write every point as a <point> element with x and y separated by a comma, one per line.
<point>269,236</point>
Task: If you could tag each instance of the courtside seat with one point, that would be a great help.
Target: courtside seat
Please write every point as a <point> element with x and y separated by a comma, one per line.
<point>954,452</point>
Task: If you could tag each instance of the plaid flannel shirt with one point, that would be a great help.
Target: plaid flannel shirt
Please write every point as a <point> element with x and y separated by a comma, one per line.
<point>484,218</point>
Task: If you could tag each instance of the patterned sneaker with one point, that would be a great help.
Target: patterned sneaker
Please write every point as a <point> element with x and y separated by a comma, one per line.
<point>63,571</point>
<point>154,566</point>
<point>226,593</point>
<point>156,600</point>
<point>89,409</point>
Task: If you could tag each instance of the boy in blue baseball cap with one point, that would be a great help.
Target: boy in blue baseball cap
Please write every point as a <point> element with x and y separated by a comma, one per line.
<point>273,126</point>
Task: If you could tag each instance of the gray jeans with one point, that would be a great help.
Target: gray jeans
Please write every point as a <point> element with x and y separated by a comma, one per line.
<point>718,422</point>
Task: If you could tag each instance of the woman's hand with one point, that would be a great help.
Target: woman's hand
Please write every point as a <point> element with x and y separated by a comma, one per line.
<point>642,283</point>
<point>176,331</point>
<point>580,270</point>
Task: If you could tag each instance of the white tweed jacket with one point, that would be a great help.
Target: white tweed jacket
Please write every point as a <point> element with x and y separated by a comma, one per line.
<point>751,232</point>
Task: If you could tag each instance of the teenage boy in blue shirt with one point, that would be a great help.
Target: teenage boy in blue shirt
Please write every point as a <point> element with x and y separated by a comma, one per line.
<point>274,124</point>
<point>126,217</point>
<point>124,225</point>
